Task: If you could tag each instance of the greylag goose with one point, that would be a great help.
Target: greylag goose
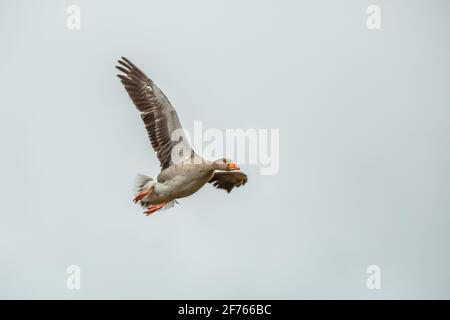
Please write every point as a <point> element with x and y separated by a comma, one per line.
<point>183,172</point>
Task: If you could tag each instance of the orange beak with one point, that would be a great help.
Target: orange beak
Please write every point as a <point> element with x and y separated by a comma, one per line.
<point>233,166</point>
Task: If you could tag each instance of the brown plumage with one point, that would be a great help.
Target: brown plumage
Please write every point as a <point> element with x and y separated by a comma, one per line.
<point>183,172</point>
<point>158,114</point>
<point>227,181</point>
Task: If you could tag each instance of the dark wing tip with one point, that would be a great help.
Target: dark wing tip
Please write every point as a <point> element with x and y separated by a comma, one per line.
<point>127,63</point>
<point>126,71</point>
<point>132,71</point>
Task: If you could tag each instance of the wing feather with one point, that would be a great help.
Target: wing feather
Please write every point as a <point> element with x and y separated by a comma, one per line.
<point>228,180</point>
<point>159,116</point>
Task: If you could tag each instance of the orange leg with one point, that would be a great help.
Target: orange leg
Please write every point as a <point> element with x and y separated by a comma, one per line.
<point>154,207</point>
<point>140,195</point>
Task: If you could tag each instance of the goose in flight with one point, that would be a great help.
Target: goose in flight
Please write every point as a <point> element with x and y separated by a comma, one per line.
<point>183,172</point>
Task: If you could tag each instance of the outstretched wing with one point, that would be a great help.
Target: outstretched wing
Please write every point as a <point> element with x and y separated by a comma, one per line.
<point>228,179</point>
<point>160,118</point>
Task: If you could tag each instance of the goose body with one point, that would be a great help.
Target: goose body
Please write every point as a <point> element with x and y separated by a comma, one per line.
<point>179,181</point>
<point>183,173</point>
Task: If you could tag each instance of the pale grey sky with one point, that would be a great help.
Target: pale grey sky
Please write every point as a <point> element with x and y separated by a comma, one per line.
<point>364,149</point>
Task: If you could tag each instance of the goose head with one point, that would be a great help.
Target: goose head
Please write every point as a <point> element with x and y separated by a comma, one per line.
<point>225,165</point>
